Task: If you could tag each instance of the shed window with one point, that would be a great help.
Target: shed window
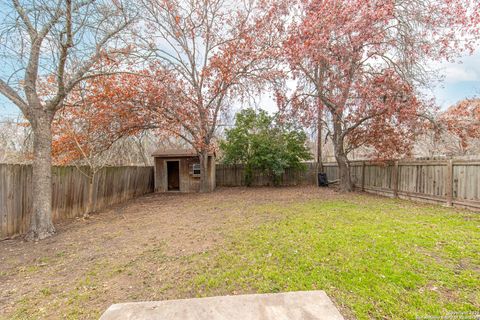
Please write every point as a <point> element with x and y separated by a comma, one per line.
<point>196,169</point>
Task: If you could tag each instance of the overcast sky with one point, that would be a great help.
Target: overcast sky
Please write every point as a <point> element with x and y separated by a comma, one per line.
<point>462,80</point>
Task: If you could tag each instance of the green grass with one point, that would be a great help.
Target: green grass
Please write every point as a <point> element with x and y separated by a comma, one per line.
<point>377,258</point>
<point>74,301</point>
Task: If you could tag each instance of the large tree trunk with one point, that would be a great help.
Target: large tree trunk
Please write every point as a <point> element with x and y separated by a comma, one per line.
<point>206,183</point>
<point>345,181</point>
<point>41,225</point>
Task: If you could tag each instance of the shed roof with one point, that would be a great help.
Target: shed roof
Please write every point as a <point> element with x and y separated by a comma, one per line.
<point>177,153</point>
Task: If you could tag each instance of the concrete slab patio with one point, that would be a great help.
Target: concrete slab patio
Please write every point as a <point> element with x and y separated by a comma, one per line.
<point>303,305</point>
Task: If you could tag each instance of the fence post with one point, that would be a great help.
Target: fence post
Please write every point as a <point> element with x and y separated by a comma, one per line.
<point>395,179</point>
<point>449,183</point>
<point>363,175</point>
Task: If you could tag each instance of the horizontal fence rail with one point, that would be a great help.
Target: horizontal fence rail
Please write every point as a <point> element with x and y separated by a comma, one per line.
<point>452,182</point>
<point>70,192</point>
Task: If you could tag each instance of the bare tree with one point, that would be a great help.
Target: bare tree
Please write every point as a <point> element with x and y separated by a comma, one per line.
<point>61,41</point>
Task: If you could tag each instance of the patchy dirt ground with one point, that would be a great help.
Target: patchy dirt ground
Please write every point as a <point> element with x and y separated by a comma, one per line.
<point>136,251</point>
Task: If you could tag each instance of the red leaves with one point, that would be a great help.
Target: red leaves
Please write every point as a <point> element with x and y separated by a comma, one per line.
<point>462,122</point>
<point>361,59</point>
<point>222,51</point>
<point>98,112</point>
<point>357,59</point>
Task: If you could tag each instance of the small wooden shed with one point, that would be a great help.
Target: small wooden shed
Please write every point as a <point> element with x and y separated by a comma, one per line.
<point>179,170</point>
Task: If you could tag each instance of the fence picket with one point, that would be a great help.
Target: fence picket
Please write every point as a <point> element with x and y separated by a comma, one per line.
<point>70,192</point>
<point>454,182</point>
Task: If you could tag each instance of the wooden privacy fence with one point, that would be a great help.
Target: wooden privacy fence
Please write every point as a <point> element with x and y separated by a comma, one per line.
<point>234,176</point>
<point>453,182</point>
<point>70,192</point>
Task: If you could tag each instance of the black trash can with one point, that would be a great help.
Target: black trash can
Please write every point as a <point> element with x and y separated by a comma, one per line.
<point>322,179</point>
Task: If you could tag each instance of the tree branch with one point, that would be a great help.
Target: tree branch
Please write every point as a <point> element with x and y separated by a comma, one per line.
<point>13,96</point>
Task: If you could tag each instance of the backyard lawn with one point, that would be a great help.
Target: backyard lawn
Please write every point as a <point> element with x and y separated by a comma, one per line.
<point>377,258</point>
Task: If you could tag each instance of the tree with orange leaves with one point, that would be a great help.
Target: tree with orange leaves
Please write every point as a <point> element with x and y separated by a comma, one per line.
<point>461,127</point>
<point>214,51</point>
<point>97,113</point>
<point>363,62</point>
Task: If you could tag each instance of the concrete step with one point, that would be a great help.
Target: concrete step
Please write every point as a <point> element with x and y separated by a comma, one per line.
<point>301,305</point>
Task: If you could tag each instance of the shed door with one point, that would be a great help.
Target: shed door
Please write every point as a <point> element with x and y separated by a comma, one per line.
<point>173,172</point>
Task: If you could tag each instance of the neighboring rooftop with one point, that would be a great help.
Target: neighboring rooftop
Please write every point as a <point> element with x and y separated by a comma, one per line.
<point>176,153</point>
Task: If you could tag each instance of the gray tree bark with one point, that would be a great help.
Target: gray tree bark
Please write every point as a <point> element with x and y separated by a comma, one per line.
<point>345,181</point>
<point>205,177</point>
<point>34,23</point>
<point>41,225</point>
